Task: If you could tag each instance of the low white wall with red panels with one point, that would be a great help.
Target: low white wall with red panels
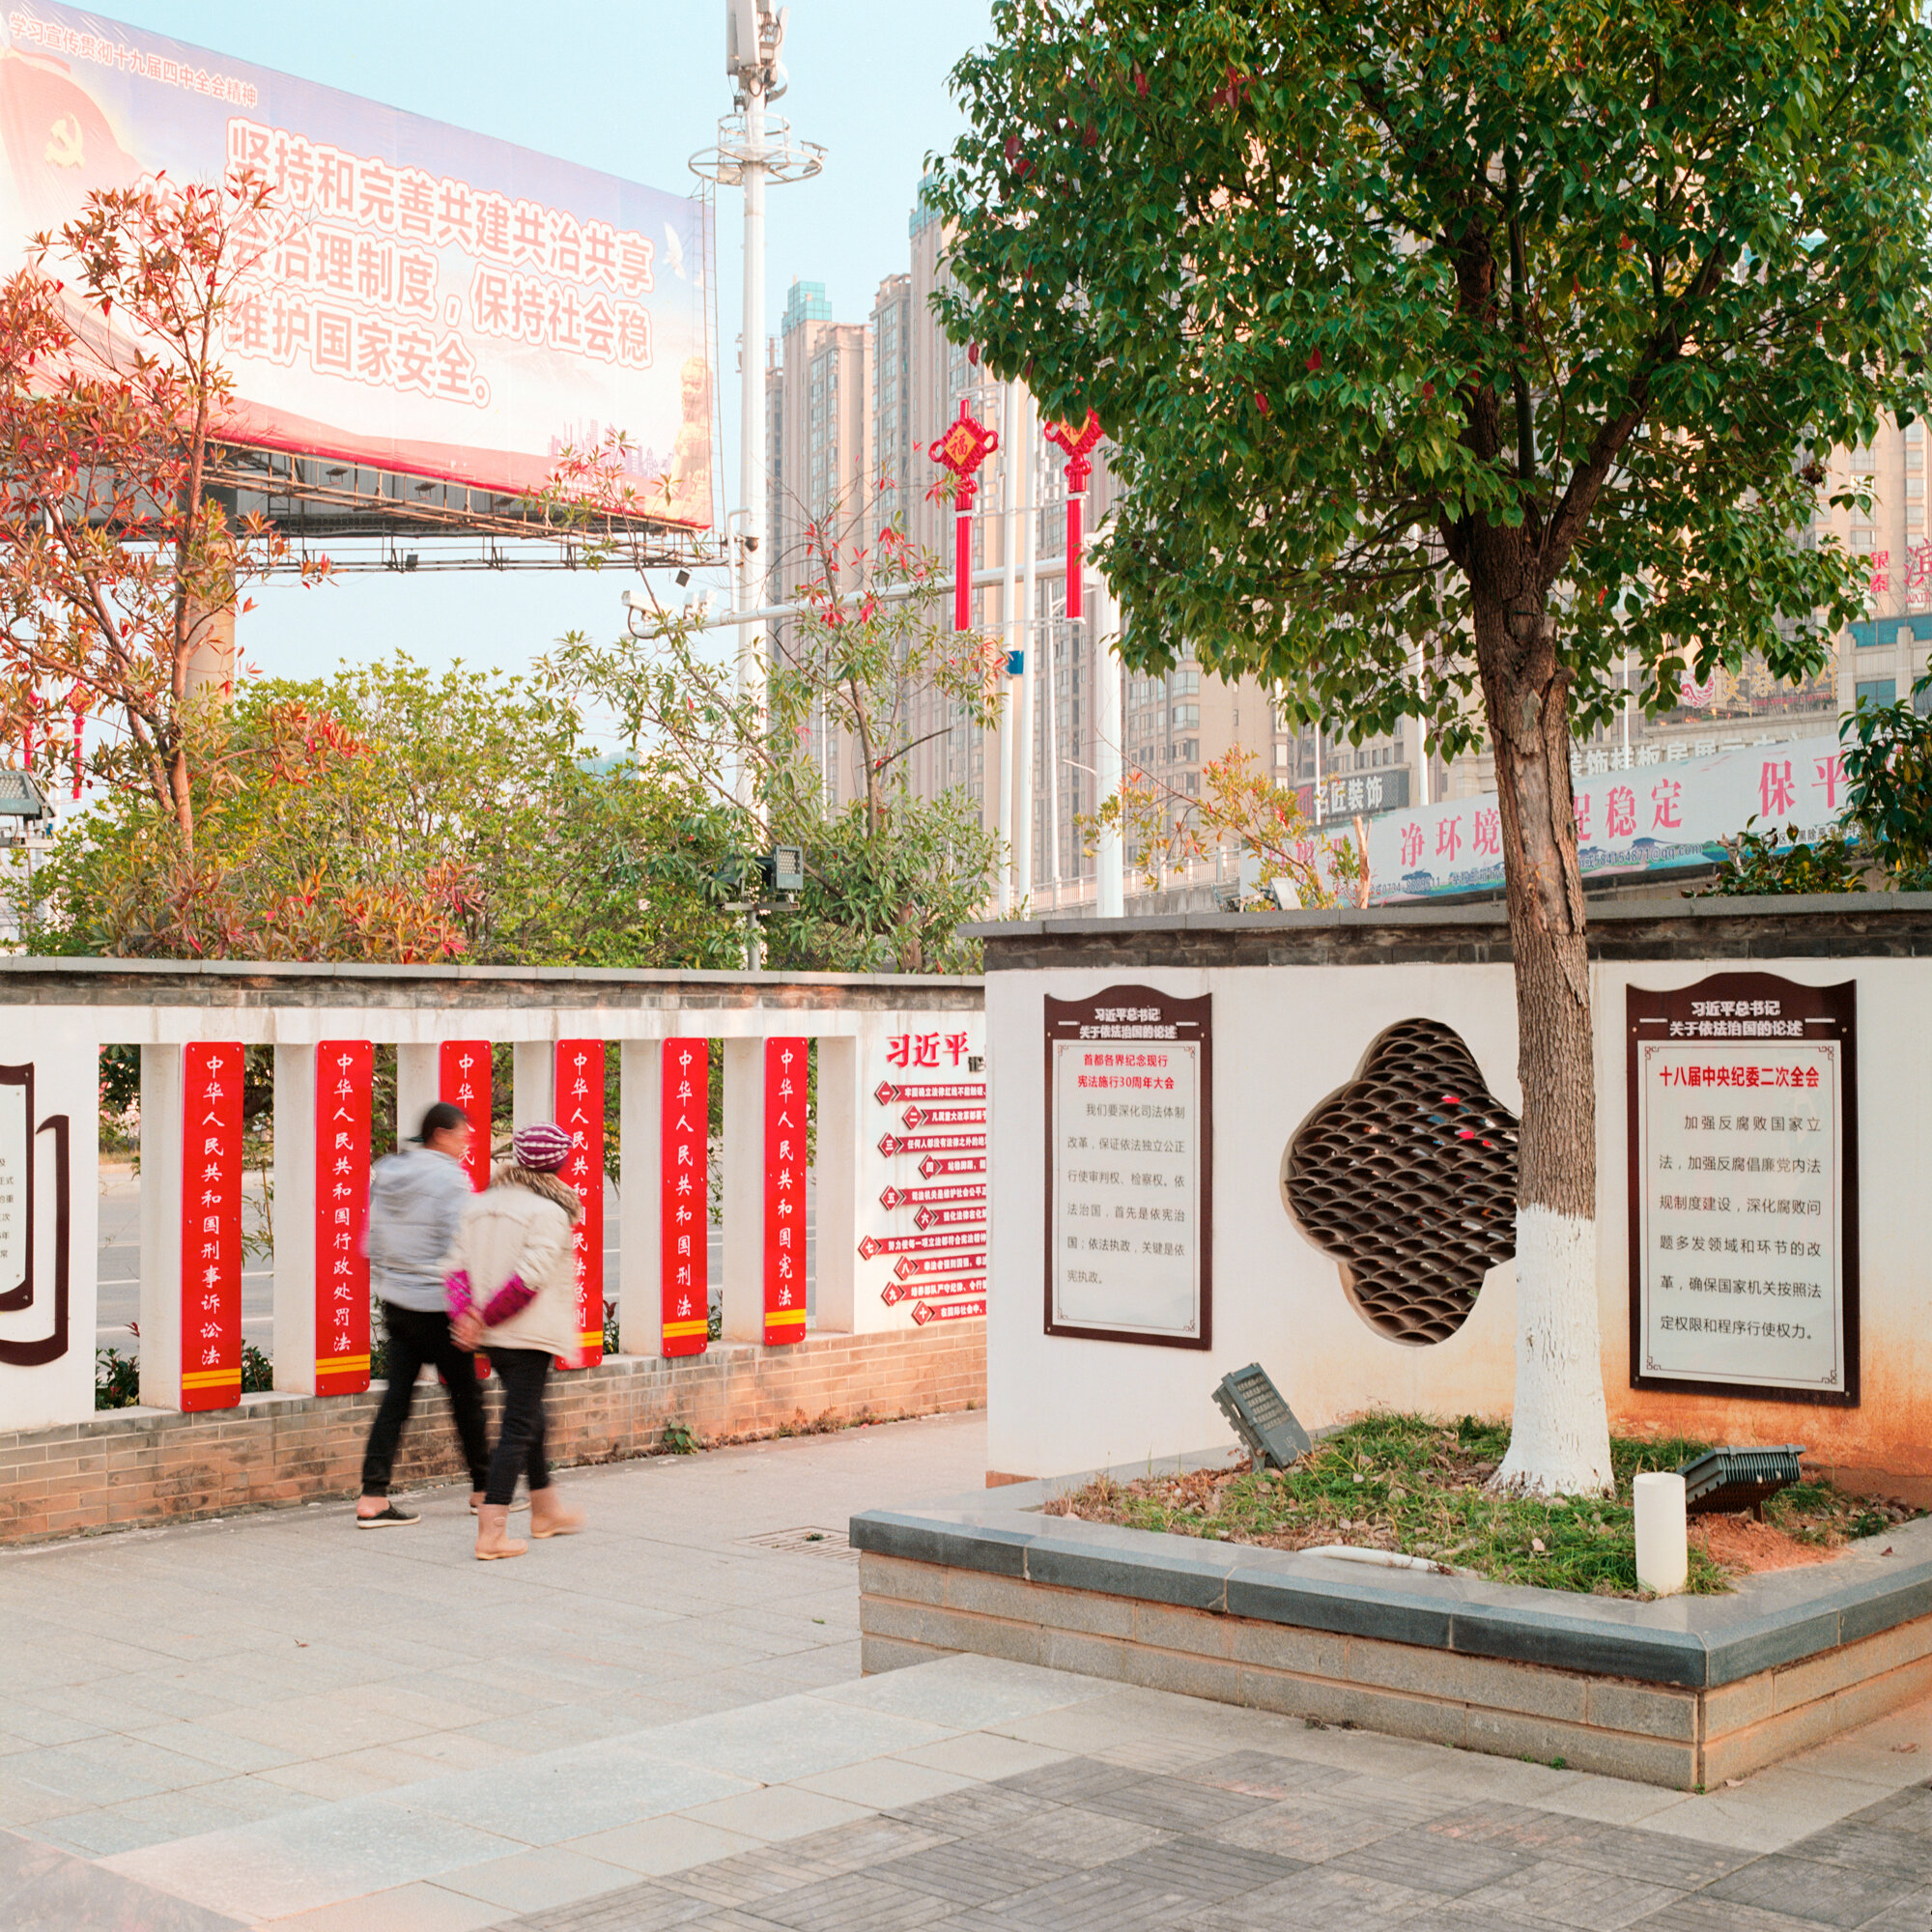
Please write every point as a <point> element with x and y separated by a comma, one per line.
<point>899,1113</point>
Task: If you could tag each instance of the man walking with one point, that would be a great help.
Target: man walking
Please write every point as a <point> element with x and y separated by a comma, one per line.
<point>417,1195</point>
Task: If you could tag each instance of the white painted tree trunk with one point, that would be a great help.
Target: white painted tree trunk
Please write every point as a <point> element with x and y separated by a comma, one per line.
<point>1560,1433</point>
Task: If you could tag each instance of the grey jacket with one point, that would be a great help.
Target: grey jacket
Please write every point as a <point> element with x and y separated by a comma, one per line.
<point>416,1200</point>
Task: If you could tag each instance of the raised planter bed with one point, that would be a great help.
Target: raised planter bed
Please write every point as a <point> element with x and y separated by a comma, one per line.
<point>1682,1692</point>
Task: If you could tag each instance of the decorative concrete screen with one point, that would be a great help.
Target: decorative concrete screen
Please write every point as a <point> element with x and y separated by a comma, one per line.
<point>1408,1177</point>
<point>795,1053</point>
<point>1362,1123</point>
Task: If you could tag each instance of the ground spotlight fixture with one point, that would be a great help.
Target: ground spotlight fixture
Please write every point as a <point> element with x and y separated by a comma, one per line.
<point>1261,1418</point>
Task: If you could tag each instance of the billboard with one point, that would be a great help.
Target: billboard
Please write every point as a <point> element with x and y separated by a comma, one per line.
<point>421,298</point>
<point>1651,819</point>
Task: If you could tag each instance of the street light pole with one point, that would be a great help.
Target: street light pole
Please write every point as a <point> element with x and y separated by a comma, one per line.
<point>753,147</point>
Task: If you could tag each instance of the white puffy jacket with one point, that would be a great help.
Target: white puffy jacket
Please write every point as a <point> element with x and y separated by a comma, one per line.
<point>521,1225</point>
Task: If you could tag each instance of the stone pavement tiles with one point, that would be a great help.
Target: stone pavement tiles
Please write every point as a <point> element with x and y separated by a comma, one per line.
<point>280,1720</point>
<point>972,1794</point>
<point>161,1684</point>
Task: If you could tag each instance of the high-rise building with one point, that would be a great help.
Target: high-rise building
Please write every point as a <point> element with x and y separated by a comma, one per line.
<point>895,476</point>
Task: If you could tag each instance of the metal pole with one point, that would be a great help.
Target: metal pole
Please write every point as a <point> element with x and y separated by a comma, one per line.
<point>1110,848</point>
<point>1023,751</point>
<point>1009,437</point>
<point>752,402</point>
<point>1050,750</point>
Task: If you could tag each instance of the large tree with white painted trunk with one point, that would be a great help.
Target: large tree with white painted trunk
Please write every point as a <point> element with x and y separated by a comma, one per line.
<point>1454,353</point>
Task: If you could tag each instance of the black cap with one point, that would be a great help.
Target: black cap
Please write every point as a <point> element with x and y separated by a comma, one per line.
<point>440,1116</point>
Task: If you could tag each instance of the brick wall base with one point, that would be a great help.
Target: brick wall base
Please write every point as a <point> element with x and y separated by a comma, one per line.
<point>146,1466</point>
<point>910,1612</point>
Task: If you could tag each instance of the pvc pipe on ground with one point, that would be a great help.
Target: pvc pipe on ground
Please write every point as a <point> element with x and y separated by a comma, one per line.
<point>1662,1536</point>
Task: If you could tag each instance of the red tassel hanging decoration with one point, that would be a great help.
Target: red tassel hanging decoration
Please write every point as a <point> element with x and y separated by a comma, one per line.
<point>962,449</point>
<point>1076,442</point>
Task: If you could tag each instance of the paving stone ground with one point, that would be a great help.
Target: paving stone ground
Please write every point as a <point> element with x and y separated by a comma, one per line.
<point>282,1721</point>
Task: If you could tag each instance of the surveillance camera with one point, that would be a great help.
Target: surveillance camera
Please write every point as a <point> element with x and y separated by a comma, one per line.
<point>751,543</point>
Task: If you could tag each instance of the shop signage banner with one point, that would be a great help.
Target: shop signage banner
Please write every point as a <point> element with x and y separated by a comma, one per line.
<point>210,1261</point>
<point>684,1216</point>
<point>418,297</point>
<point>344,1095</point>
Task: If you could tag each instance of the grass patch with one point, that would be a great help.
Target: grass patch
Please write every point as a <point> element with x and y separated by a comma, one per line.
<point>1410,1484</point>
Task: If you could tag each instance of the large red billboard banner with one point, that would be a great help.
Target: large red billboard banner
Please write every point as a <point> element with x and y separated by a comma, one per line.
<point>420,299</point>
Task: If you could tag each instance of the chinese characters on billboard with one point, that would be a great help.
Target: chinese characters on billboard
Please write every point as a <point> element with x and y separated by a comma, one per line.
<point>417,298</point>
<point>1648,818</point>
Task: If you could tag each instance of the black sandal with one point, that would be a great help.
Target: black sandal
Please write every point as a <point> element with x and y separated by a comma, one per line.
<point>386,1518</point>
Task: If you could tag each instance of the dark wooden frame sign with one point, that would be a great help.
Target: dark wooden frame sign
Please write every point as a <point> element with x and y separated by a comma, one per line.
<point>1752,1192</point>
<point>1126,1037</point>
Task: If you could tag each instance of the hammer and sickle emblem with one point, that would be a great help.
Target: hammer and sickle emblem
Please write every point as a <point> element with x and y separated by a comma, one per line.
<point>63,149</point>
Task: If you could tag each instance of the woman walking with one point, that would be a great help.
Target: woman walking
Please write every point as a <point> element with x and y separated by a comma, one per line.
<point>512,1290</point>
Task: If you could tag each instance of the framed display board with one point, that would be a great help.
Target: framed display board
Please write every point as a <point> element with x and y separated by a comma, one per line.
<point>1743,1189</point>
<point>1129,1168</point>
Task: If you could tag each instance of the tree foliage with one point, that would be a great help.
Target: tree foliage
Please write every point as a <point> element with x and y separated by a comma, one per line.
<point>390,813</point>
<point>116,562</point>
<point>889,875</point>
<point>1357,292</point>
<point>1239,803</point>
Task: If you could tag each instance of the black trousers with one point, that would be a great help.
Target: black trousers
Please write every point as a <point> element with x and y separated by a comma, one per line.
<point>416,1338</point>
<point>520,1443</point>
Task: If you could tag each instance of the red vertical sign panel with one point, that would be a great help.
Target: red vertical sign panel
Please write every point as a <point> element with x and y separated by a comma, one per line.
<point>465,1082</point>
<point>685,1137</point>
<point>343,1079</point>
<point>210,1261</point>
<point>784,1192</point>
<point>580,1113</point>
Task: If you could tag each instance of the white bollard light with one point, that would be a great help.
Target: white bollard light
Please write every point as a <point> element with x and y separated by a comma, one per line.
<point>1663,1550</point>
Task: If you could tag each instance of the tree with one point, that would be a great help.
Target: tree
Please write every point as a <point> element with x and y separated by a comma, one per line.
<point>1452,351</point>
<point>889,876</point>
<point>390,814</point>
<point>115,560</point>
<point>1162,828</point>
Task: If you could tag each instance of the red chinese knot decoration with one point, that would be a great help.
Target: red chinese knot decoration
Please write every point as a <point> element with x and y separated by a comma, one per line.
<point>962,449</point>
<point>1077,444</point>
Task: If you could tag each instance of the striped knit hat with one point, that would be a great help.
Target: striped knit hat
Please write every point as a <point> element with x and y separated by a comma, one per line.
<point>542,1147</point>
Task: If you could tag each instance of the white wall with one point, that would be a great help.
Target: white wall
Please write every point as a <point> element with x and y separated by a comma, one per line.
<point>1285,1039</point>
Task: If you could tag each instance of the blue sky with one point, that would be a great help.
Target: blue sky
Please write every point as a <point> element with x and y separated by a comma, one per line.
<point>634,87</point>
